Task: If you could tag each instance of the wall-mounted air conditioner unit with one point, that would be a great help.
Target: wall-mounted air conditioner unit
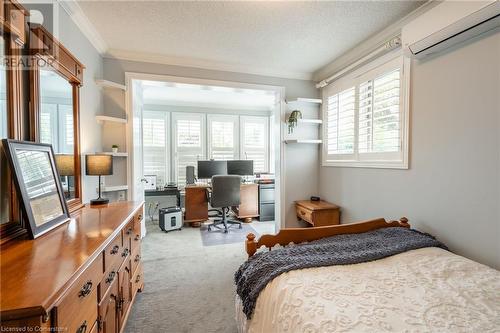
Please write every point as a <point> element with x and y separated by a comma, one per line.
<point>449,23</point>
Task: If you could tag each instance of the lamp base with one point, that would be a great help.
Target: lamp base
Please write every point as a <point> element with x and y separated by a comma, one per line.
<point>99,201</point>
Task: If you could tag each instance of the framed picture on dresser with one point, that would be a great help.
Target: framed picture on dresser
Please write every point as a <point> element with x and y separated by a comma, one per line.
<point>38,183</point>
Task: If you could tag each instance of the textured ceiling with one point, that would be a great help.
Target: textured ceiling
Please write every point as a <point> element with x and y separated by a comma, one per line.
<point>288,37</point>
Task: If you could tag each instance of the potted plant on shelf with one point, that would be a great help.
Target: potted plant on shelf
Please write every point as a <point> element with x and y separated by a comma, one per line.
<point>114,148</point>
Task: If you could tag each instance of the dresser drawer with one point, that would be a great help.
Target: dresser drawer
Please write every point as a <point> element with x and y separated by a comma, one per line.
<point>304,214</point>
<point>128,233</point>
<point>136,259</point>
<point>78,308</point>
<point>112,254</point>
<point>137,280</point>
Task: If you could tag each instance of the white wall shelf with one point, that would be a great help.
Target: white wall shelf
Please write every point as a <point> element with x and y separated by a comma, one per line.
<point>113,188</point>
<point>101,118</point>
<point>303,141</point>
<point>306,100</point>
<point>310,121</point>
<point>119,154</point>
<point>110,84</point>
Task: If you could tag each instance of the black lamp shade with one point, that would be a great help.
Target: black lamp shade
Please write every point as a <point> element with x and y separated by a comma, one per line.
<point>99,165</point>
<point>65,164</point>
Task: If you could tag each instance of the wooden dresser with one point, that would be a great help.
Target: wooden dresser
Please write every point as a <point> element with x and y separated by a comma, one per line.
<point>81,277</point>
<point>318,213</point>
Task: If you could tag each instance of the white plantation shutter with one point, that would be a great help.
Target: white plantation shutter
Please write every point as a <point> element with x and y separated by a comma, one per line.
<point>379,119</point>
<point>255,141</point>
<point>189,142</point>
<point>340,122</point>
<point>155,145</point>
<point>222,137</point>
<point>366,119</point>
<point>66,137</point>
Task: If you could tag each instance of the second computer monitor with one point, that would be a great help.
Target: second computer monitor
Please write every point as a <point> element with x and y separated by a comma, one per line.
<point>240,167</point>
<point>207,169</point>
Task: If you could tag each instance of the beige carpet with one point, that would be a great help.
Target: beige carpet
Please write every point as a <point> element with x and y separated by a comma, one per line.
<point>188,287</point>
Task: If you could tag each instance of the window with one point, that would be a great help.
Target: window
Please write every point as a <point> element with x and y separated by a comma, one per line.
<point>155,145</point>
<point>255,141</point>
<point>366,116</point>
<point>189,142</point>
<point>52,118</point>
<point>222,137</point>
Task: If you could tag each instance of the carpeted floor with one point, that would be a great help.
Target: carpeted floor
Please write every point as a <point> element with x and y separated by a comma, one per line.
<point>188,287</point>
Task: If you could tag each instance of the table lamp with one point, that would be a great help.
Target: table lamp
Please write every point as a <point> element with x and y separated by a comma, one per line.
<point>99,165</point>
<point>65,164</point>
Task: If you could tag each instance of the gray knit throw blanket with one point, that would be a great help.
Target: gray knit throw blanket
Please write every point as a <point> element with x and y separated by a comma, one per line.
<point>253,275</point>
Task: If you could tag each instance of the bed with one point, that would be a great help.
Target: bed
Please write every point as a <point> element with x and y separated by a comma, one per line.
<point>428,289</point>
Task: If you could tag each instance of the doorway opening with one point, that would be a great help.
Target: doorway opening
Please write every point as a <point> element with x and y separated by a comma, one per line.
<point>175,122</point>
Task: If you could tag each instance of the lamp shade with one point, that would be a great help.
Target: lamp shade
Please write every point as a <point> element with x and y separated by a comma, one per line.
<point>65,164</point>
<point>98,165</point>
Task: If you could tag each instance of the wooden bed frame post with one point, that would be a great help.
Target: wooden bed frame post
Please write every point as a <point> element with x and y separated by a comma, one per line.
<point>299,235</point>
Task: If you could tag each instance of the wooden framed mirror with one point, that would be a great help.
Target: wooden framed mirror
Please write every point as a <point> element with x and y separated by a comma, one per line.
<point>13,36</point>
<point>55,81</point>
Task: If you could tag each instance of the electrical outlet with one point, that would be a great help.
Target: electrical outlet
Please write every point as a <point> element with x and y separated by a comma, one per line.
<point>121,196</point>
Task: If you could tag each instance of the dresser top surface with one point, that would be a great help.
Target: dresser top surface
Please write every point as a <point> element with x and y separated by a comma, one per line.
<point>35,272</point>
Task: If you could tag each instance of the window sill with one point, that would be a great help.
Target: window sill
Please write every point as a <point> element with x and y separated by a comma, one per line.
<point>403,165</point>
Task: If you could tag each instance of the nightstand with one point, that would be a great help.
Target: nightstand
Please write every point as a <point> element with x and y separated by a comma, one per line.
<point>318,213</point>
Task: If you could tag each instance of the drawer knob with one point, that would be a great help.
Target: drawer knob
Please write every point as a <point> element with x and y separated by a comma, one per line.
<point>82,328</point>
<point>115,249</point>
<point>111,277</point>
<point>137,258</point>
<point>86,289</point>
<point>125,252</point>
<point>138,278</point>
<point>137,237</point>
<point>139,217</point>
<point>302,212</point>
<point>129,231</point>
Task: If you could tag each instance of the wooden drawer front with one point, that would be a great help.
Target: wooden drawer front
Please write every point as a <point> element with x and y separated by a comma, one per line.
<point>128,235</point>
<point>305,214</point>
<point>108,308</point>
<point>136,259</point>
<point>137,280</point>
<point>78,308</point>
<point>112,254</point>
<point>108,279</point>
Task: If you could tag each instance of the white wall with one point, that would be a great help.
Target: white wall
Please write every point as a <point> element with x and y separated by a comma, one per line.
<point>452,188</point>
<point>301,161</point>
<point>90,95</point>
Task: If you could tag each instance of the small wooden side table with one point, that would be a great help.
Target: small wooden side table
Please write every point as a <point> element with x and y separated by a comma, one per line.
<point>318,213</point>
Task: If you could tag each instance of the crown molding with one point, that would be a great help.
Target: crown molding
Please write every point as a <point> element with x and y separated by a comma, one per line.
<point>371,42</point>
<point>83,23</point>
<point>204,64</point>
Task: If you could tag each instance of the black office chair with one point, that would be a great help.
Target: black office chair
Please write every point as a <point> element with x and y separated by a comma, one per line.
<point>225,194</point>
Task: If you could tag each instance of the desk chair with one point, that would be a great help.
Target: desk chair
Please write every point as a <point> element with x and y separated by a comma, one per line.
<point>225,194</point>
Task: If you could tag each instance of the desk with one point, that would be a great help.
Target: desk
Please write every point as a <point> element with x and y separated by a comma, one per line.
<point>196,206</point>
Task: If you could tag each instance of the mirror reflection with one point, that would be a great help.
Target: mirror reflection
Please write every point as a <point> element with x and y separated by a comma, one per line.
<point>40,185</point>
<point>4,181</point>
<point>56,125</point>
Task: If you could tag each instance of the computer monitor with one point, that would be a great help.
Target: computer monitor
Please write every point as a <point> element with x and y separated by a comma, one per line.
<point>240,167</point>
<point>207,169</point>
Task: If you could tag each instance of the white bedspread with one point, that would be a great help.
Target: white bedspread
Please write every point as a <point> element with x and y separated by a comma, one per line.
<point>425,290</point>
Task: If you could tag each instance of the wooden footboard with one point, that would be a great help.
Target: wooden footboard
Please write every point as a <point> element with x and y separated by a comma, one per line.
<point>299,235</point>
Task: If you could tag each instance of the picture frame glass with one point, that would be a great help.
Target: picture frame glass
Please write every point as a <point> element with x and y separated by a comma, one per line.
<point>40,184</point>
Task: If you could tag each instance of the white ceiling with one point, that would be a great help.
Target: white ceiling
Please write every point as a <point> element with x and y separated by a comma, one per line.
<point>170,93</point>
<point>286,39</point>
